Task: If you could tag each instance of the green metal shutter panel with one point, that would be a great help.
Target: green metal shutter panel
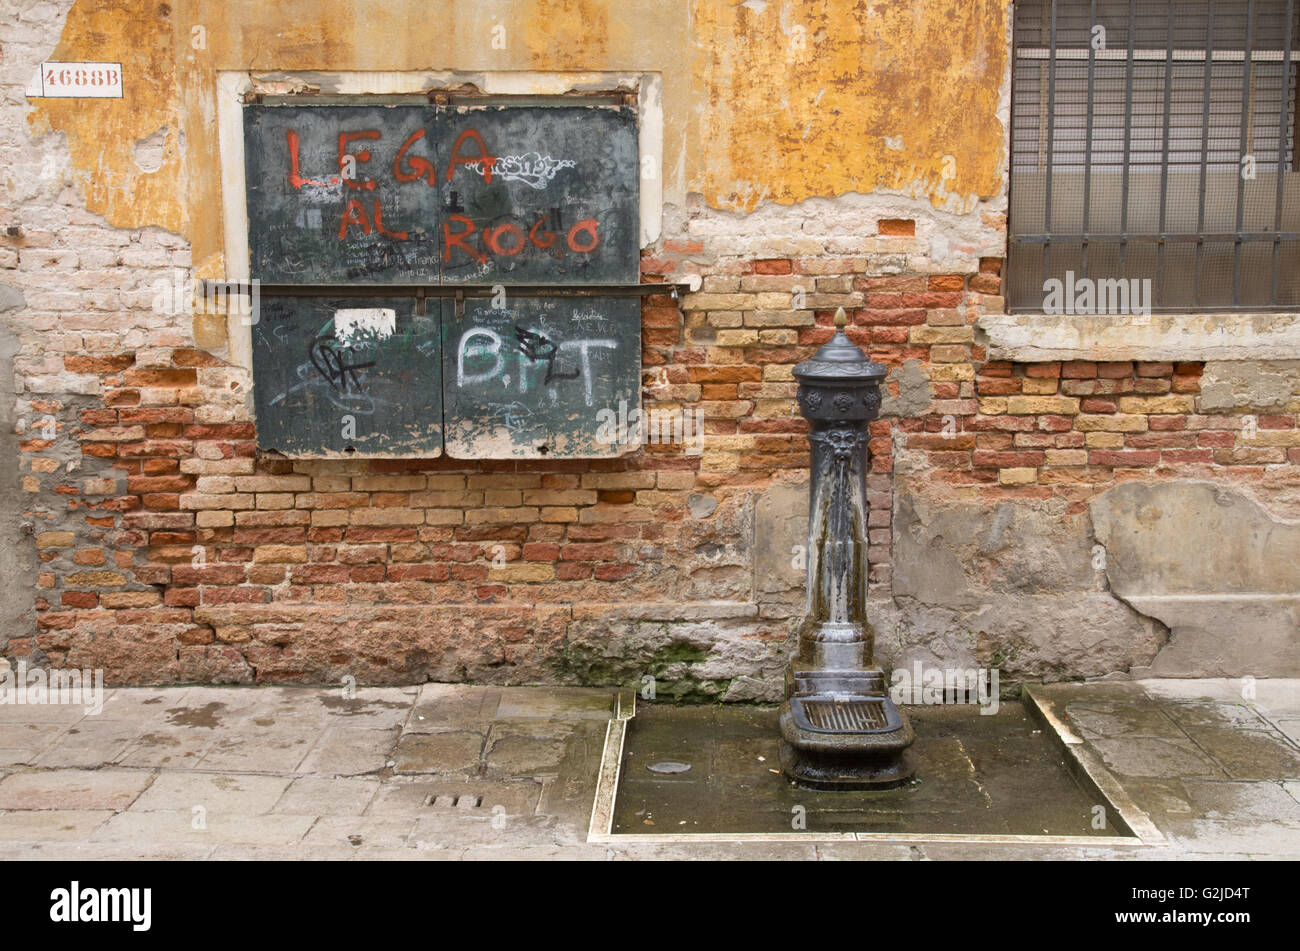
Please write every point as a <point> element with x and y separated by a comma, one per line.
<point>538,199</point>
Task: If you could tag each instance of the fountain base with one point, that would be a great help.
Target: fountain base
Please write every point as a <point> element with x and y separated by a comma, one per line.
<point>840,730</point>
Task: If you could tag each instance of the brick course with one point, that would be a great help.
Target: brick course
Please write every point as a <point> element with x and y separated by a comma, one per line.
<point>177,516</point>
<point>167,548</point>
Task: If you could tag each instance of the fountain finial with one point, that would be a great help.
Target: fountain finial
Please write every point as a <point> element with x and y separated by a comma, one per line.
<point>840,320</point>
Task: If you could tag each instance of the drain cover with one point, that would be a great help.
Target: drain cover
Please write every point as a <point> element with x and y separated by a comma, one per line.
<point>842,714</point>
<point>454,802</point>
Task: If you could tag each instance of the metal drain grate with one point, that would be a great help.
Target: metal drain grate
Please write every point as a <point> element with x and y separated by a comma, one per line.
<point>846,716</point>
<point>462,801</point>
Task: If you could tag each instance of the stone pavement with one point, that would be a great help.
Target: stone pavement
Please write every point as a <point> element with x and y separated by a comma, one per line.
<point>473,772</point>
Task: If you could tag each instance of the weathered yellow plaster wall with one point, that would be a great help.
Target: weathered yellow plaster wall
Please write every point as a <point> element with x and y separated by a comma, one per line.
<point>780,102</point>
<point>822,98</point>
<point>102,132</point>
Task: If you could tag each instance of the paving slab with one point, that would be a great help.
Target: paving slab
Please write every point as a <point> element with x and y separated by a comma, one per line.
<point>536,853</point>
<point>43,713</point>
<point>54,851</point>
<point>450,752</point>
<point>281,853</point>
<point>1289,727</point>
<point>1199,714</point>
<point>388,832</point>
<point>21,743</point>
<point>408,854</point>
<point>261,749</point>
<point>73,789</point>
<point>515,753</point>
<point>170,747</point>
<point>89,743</point>
<point>208,707</point>
<point>1269,837</point>
<point>570,703</point>
<point>347,751</point>
<point>449,708</point>
<point>333,796</point>
<point>1155,795</point>
<point>1110,718</point>
<point>48,825</point>
<point>569,796</point>
<point>1249,754</point>
<point>992,852</point>
<point>1205,688</point>
<point>142,703</point>
<point>1277,697</point>
<point>373,708</point>
<point>184,827</point>
<point>1228,801</point>
<point>226,793</point>
<point>1158,756</point>
<point>497,831</point>
<point>715,851</point>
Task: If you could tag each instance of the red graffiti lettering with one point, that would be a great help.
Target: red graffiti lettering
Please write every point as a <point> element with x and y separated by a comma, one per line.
<point>487,160</point>
<point>534,235</point>
<point>353,214</point>
<point>419,166</point>
<point>492,236</point>
<point>588,225</point>
<point>450,240</point>
<point>295,175</point>
<point>361,155</point>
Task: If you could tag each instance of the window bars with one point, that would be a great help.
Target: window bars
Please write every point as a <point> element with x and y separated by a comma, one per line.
<point>1153,150</point>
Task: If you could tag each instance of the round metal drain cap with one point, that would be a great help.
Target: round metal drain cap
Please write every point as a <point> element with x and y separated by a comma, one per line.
<point>668,767</point>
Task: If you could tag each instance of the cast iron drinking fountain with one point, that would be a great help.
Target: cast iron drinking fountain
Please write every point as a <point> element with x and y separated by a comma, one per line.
<point>839,727</point>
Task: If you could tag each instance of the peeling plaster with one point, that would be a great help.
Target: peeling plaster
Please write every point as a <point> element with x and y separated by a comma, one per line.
<point>914,393</point>
<point>1231,611</point>
<point>150,152</point>
<point>932,75</point>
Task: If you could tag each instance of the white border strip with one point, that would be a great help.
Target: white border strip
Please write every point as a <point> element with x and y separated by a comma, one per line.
<point>1035,338</point>
<point>231,87</point>
<point>1089,762</point>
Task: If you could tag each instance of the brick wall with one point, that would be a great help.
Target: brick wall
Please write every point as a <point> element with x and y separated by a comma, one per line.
<point>170,549</point>
<point>165,547</point>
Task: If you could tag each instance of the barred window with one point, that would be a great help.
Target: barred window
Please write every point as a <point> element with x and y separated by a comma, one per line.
<point>1153,156</point>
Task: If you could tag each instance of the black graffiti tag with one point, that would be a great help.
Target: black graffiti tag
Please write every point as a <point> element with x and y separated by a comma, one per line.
<point>330,363</point>
<point>538,348</point>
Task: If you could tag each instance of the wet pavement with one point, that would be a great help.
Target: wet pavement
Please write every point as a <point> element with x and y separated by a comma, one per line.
<point>473,772</point>
<point>994,775</point>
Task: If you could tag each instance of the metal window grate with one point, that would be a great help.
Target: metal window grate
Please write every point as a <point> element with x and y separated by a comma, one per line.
<point>1153,150</point>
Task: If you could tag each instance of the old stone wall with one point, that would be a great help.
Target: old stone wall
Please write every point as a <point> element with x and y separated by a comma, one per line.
<point>153,539</point>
